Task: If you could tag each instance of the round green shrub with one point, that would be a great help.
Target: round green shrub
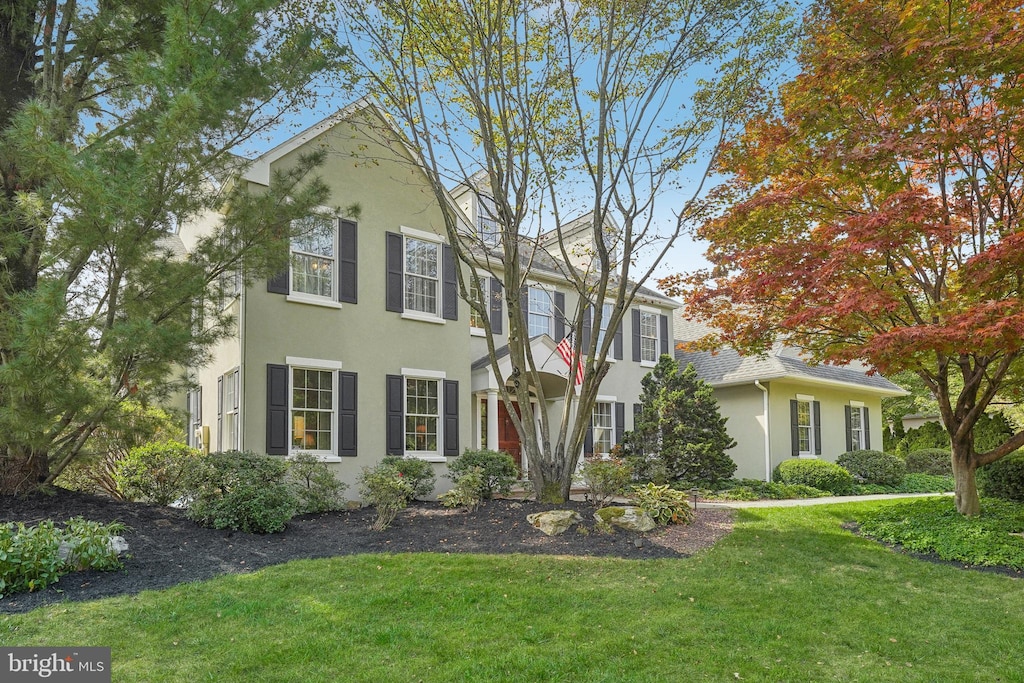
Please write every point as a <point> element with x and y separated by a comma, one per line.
<point>499,470</point>
<point>155,472</point>
<point>387,489</point>
<point>315,486</point>
<point>241,491</point>
<point>873,467</point>
<point>1004,478</point>
<point>819,474</point>
<point>936,461</point>
<point>419,474</point>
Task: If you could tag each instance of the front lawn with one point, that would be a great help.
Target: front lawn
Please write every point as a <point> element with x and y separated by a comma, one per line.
<point>789,595</point>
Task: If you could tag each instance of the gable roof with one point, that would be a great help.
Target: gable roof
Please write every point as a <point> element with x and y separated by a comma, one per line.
<point>726,367</point>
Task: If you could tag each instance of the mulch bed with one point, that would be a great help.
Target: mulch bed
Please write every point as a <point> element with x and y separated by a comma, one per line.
<point>167,549</point>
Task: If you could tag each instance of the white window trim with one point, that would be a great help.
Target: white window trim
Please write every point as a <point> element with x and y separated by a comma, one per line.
<point>423,236</point>
<point>316,299</point>
<point>808,455</point>
<point>323,366</point>
<point>550,290</point>
<point>860,408</point>
<point>234,376</point>
<point>611,401</point>
<point>657,336</point>
<point>438,376</point>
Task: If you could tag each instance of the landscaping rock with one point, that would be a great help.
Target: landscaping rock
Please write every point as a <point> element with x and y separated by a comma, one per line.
<point>554,522</point>
<point>626,517</point>
<point>117,544</point>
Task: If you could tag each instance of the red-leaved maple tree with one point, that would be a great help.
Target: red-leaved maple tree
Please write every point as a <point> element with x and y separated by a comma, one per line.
<point>874,211</point>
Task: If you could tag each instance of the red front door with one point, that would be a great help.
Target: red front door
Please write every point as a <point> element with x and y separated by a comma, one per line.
<point>508,437</point>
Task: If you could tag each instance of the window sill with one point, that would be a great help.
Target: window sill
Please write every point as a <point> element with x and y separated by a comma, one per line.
<point>477,332</point>
<point>647,364</point>
<point>424,318</point>
<point>312,301</point>
<point>426,457</point>
<point>321,458</point>
<point>807,456</point>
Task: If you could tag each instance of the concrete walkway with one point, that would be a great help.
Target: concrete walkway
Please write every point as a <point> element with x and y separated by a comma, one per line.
<point>797,502</point>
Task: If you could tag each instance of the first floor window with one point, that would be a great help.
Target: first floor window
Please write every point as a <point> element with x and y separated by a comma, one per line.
<point>229,411</point>
<point>421,275</point>
<point>313,255</point>
<point>857,429</point>
<point>603,426</point>
<point>805,427</point>
<point>194,399</point>
<point>805,421</point>
<point>648,337</point>
<point>312,410</point>
<point>540,312</point>
<point>422,411</point>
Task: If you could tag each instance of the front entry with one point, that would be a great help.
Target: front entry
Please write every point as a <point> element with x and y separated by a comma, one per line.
<point>508,437</point>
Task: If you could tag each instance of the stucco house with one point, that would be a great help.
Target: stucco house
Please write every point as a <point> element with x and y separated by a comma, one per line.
<point>364,348</point>
<point>779,406</point>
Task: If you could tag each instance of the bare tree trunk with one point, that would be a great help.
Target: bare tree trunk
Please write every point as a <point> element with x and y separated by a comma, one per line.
<point>966,485</point>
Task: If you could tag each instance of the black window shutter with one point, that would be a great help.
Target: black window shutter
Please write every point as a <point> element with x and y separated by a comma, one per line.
<point>588,440</point>
<point>816,405</point>
<point>585,332</point>
<point>637,409</point>
<point>663,322</point>
<point>348,402</point>
<point>395,415</point>
<point>617,347</point>
<point>559,300</point>
<point>496,317</point>
<point>277,409</point>
<point>279,284</point>
<point>794,426</point>
<point>636,335</point>
<point>451,417</point>
<point>866,427</point>
<point>348,266</point>
<point>849,427</point>
<point>620,421</point>
<point>394,298</point>
<point>449,284</point>
<point>220,413</point>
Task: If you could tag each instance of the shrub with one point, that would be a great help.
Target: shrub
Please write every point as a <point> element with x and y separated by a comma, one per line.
<point>315,486</point>
<point>241,491</point>
<point>755,489</point>
<point>419,474</point>
<point>155,472</point>
<point>819,474</point>
<point>605,478</point>
<point>467,492</point>
<point>500,471</point>
<point>1004,478</point>
<point>30,557</point>
<point>385,488</point>
<point>930,461</point>
<point>873,467</point>
<point>646,469</point>
<point>665,505</point>
<point>925,483</point>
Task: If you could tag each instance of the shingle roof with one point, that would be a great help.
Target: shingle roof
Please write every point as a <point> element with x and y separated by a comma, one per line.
<point>727,367</point>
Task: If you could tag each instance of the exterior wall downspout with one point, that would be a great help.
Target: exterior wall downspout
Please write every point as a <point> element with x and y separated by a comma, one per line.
<point>767,434</point>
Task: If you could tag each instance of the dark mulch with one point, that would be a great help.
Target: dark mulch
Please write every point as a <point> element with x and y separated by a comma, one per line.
<point>167,549</point>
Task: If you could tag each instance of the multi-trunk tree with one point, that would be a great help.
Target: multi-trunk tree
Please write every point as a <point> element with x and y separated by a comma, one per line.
<point>598,107</point>
<point>116,121</point>
<point>874,211</point>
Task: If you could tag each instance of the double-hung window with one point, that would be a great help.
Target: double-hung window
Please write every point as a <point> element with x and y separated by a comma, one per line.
<point>486,220</point>
<point>648,337</point>
<point>606,315</point>
<point>421,275</point>
<point>422,416</point>
<point>541,312</point>
<point>604,428</point>
<point>227,434</point>
<point>313,410</point>
<point>805,424</point>
<point>313,256</point>
<point>857,427</point>
<point>479,294</point>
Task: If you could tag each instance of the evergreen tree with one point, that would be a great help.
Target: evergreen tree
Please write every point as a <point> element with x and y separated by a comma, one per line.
<point>118,122</point>
<point>679,425</point>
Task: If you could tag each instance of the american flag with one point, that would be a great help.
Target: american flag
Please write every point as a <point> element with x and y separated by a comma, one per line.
<point>564,349</point>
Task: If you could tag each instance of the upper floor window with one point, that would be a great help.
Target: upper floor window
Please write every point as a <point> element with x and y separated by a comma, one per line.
<point>478,294</point>
<point>606,314</point>
<point>648,337</point>
<point>541,313</point>
<point>486,220</point>
<point>313,256</point>
<point>421,275</point>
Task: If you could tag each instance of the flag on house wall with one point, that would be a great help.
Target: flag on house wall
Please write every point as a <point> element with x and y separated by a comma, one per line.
<point>564,349</point>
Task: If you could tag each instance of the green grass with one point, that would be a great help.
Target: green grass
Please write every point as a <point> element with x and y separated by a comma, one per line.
<point>789,596</point>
